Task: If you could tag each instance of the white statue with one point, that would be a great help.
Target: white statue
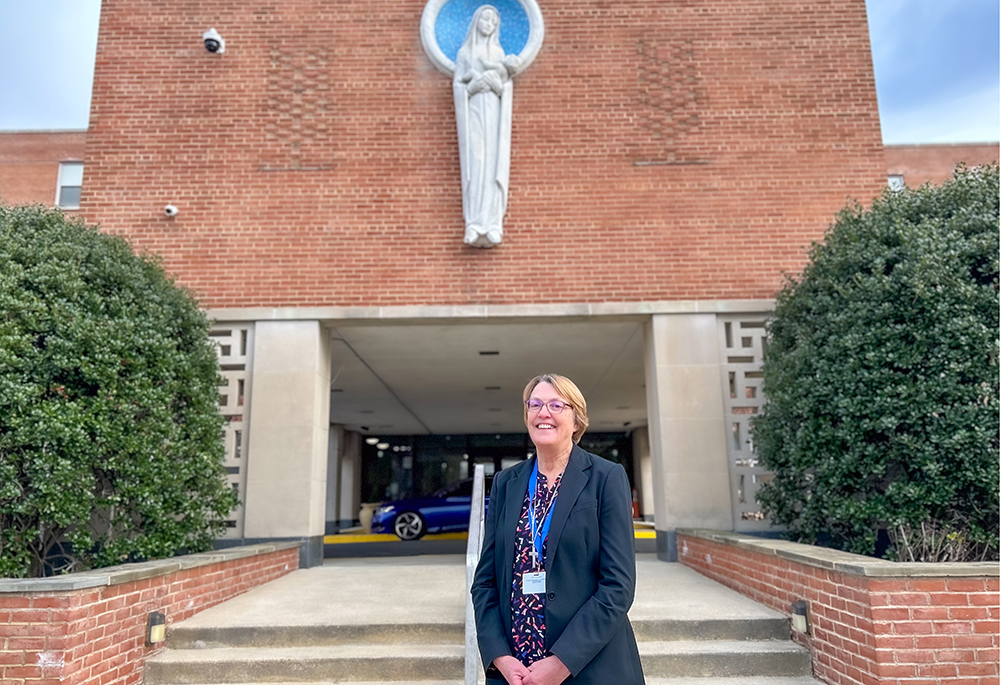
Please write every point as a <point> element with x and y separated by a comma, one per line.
<point>483,107</point>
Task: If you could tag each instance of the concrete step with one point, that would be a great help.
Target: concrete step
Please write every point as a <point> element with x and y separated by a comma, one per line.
<point>803,680</point>
<point>724,658</point>
<point>756,628</point>
<point>420,662</point>
<point>649,681</point>
<point>348,663</point>
<point>183,636</point>
<point>187,636</point>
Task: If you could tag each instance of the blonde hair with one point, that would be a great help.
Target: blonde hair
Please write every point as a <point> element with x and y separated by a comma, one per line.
<point>567,390</point>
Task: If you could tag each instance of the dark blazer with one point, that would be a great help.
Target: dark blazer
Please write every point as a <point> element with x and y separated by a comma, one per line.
<point>590,571</point>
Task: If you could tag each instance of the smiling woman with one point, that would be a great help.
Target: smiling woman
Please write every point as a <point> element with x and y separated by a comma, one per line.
<point>550,603</point>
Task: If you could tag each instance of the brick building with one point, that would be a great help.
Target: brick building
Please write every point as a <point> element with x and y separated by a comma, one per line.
<point>44,167</point>
<point>915,165</point>
<point>668,162</point>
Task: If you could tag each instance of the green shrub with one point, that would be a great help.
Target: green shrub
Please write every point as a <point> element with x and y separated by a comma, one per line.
<point>110,436</point>
<point>881,378</point>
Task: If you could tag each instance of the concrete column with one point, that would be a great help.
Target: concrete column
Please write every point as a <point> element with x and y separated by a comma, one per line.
<point>286,478</point>
<point>350,479</point>
<point>334,455</point>
<point>644,472</point>
<point>686,427</point>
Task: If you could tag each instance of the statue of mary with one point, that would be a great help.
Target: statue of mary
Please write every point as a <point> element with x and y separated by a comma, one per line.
<point>483,108</point>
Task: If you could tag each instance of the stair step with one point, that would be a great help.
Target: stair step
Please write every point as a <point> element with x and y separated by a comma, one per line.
<point>662,630</point>
<point>777,680</point>
<point>724,658</point>
<point>418,662</point>
<point>184,637</point>
<point>805,680</point>
<point>404,662</point>
<point>649,681</point>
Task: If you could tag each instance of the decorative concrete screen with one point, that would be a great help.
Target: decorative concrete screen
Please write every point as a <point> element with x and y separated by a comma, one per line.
<point>742,341</point>
<point>235,347</point>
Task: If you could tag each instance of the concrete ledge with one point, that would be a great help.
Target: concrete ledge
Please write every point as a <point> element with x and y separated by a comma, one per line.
<point>496,313</point>
<point>844,562</point>
<point>127,573</point>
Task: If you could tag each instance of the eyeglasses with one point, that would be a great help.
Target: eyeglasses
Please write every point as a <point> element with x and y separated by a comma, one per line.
<point>555,406</point>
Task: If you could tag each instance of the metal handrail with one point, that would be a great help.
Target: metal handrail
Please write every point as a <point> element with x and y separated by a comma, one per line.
<point>474,674</point>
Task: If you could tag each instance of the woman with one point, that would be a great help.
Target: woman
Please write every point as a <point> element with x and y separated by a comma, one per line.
<point>557,573</point>
<point>483,93</point>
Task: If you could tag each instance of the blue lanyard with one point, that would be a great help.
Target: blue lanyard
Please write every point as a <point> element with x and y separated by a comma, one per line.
<point>536,540</point>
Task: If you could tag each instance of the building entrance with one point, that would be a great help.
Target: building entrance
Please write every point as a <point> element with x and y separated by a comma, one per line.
<point>404,466</point>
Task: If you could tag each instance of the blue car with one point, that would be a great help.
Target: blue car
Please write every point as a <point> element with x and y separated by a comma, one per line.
<point>444,511</point>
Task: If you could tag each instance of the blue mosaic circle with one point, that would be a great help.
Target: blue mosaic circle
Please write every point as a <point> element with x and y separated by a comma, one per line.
<point>454,17</point>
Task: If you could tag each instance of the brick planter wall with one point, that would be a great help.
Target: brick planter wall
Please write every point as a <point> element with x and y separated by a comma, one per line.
<point>90,627</point>
<point>872,622</point>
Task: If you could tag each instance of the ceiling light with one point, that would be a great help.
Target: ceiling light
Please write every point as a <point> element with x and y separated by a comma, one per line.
<point>489,353</point>
<point>383,445</point>
<point>371,441</point>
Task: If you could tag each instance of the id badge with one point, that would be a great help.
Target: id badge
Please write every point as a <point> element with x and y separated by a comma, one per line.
<point>533,583</point>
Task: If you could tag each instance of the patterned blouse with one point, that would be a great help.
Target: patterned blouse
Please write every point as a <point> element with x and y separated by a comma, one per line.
<point>528,611</point>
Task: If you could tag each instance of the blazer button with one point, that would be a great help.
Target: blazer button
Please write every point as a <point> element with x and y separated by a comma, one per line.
<point>551,596</point>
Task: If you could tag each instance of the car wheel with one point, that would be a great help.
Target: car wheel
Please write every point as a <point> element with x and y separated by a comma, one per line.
<point>409,526</point>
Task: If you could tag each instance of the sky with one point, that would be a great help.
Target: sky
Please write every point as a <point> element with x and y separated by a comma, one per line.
<point>937,67</point>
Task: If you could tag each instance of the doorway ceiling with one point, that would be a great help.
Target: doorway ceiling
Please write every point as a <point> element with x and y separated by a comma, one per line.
<point>413,379</point>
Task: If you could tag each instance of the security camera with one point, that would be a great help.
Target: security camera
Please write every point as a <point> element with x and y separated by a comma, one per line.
<point>214,42</point>
<point>171,210</point>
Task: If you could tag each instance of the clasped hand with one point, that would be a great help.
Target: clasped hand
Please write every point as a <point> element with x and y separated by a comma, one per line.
<point>547,671</point>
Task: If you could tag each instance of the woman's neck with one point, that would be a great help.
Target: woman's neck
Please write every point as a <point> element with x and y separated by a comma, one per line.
<point>552,461</point>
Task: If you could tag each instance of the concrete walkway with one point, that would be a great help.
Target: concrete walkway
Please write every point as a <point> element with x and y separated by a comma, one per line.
<point>431,589</point>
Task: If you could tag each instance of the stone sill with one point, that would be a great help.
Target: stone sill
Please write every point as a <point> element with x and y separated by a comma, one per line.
<point>127,573</point>
<point>845,562</point>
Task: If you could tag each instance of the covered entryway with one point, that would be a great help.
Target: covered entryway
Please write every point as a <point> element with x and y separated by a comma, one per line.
<point>313,403</point>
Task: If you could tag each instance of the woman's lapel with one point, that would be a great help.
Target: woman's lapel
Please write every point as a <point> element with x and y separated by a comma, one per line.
<point>516,490</point>
<point>574,479</point>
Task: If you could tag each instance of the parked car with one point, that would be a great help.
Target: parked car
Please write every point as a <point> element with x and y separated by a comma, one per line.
<point>445,511</point>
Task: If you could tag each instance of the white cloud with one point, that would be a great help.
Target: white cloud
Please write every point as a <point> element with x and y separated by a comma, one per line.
<point>973,117</point>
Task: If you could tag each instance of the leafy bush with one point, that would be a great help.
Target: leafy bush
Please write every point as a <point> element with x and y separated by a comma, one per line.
<point>110,445</point>
<point>881,378</point>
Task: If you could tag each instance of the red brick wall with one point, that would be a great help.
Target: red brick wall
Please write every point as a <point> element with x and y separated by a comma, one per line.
<point>29,163</point>
<point>868,630</point>
<point>919,164</point>
<point>97,635</point>
<point>660,150</point>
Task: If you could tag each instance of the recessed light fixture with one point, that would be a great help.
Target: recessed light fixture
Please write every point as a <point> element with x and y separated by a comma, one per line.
<point>489,353</point>
<point>492,387</point>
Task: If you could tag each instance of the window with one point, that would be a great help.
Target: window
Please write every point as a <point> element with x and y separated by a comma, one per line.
<point>896,181</point>
<point>70,183</point>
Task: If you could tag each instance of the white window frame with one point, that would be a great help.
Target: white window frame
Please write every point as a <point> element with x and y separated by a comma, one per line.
<point>68,172</point>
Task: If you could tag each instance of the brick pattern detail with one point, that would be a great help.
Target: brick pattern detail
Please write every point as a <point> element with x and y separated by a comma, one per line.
<point>669,95</point>
<point>97,636</point>
<point>787,125</point>
<point>871,631</point>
